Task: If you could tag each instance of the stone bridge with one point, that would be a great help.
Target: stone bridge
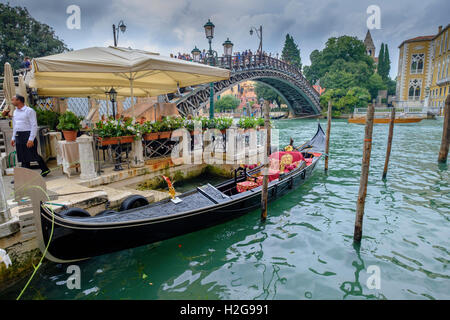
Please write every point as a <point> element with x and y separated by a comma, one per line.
<point>287,80</point>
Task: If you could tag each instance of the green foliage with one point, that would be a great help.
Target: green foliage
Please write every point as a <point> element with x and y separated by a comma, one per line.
<point>291,52</point>
<point>69,121</point>
<point>118,128</point>
<point>223,123</point>
<point>47,118</point>
<point>343,63</point>
<point>227,102</point>
<point>374,84</point>
<point>267,93</point>
<point>344,101</point>
<point>384,63</point>
<point>21,35</point>
<point>247,123</point>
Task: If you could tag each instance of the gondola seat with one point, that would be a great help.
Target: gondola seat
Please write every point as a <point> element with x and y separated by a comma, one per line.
<point>245,186</point>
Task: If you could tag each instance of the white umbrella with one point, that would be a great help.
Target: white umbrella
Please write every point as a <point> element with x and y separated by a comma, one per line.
<point>132,72</point>
<point>23,89</point>
<point>9,89</point>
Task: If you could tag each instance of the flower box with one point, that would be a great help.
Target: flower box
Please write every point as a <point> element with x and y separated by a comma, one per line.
<point>165,134</point>
<point>115,140</point>
<point>151,136</point>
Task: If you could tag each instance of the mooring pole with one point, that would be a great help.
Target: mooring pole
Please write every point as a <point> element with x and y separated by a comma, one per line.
<point>364,173</point>
<point>327,143</point>
<point>389,144</point>
<point>443,153</point>
<point>264,190</point>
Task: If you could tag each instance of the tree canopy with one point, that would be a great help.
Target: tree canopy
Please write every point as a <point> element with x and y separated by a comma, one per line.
<point>342,56</point>
<point>384,63</point>
<point>267,93</point>
<point>348,73</point>
<point>21,35</point>
<point>227,102</point>
<point>291,52</point>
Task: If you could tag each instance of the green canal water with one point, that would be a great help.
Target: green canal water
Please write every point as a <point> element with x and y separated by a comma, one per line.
<point>305,248</point>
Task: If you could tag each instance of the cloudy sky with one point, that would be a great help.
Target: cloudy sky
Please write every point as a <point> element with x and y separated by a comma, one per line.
<point>172,26</point>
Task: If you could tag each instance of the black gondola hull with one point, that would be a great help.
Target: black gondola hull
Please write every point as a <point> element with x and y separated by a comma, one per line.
<point>74,239</point>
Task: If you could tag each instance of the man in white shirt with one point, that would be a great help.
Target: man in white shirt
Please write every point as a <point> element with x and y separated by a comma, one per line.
<point>24,135</point>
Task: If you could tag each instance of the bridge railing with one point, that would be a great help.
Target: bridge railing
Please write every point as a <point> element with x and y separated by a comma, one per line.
<point>237,63</point>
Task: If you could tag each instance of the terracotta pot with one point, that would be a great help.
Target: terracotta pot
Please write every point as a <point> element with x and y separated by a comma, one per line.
<point>116,140</point>
<point>150,136</point>
<point>165,134</point>
<point>70,135</point>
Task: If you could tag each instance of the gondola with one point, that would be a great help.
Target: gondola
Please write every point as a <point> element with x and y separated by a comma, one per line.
<point>78,238</point>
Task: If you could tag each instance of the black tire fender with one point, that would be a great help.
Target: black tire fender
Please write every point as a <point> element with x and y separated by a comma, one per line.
<point>133,201</point>
<point>74,212</point>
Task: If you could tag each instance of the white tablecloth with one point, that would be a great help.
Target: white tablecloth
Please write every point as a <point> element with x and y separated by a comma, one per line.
<point>68,155</point>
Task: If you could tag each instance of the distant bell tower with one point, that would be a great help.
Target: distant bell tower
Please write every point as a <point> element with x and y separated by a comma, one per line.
<point>370,47</point>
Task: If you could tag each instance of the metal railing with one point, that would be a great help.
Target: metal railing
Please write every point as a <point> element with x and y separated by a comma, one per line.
<point>239,63</point>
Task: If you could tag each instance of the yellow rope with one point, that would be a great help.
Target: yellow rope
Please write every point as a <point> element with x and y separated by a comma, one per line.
<point>43,254</point>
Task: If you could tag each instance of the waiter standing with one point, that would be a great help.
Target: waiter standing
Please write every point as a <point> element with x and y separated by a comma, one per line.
<point>24,135</point>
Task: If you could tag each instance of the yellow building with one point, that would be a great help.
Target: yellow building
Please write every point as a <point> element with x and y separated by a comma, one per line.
<point>422,79</point>
<point>440,79</point>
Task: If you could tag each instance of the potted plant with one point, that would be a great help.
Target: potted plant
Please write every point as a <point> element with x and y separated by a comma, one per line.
<point>69,124</point>
<point>223,124</point>
<point>117,131</point>
<point>246,123</point>
<point>150,131</point>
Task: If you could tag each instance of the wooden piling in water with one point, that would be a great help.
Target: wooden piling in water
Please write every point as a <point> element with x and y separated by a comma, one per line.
<point>327,142</point>
<point>264,190</point>
<point>389,144</point>
<point>357,235</point>
<point>443,152</point>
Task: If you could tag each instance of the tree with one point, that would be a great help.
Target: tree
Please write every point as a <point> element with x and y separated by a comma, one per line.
<point>227,102</point>
<point>375,84</point>
<point>291,52</point>
<point>344,56</point>
<point>381,61</point>
<point>21,35</point>
<point>267,93</point>
<point>344,101</point>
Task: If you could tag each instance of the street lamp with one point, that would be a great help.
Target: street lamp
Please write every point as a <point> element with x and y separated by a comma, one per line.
<point>228,48</point>
<point>211,57</point>
<point>209,29</point>
<point>122,27</point>
<point>259,34</point>
<point>196,54</point>
<point>113,98</point>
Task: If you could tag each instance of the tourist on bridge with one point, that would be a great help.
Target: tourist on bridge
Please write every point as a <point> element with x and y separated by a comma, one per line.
<point>24,135</point>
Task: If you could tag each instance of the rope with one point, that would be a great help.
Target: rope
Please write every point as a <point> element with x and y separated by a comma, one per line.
<point>43,254</point>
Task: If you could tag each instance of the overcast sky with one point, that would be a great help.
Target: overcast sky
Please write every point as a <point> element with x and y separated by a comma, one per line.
<point>172,26</point>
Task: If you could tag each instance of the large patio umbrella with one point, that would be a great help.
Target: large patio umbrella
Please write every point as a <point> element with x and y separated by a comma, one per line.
<point>22,89</point>
<point>9,89</point>
<point>93,71</point>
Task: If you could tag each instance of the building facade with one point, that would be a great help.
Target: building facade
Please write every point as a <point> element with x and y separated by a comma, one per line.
<point>422,78</point>
<point>440,78</point>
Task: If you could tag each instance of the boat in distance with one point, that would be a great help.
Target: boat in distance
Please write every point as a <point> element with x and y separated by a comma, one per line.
<point>362,120</point>
<point>71,237</point>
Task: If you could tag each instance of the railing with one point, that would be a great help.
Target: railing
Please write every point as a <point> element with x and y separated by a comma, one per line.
<point>239,63</point>
<point>398,110</point>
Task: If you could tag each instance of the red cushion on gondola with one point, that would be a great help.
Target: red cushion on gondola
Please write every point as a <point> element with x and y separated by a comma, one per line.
<point>296,155</point>
<point>245,186</point>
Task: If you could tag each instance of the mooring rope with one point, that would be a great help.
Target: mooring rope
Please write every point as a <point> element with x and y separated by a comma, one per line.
<point>45,250</point>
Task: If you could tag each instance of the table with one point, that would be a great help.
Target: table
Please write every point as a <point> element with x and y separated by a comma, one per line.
<point>68,156</point>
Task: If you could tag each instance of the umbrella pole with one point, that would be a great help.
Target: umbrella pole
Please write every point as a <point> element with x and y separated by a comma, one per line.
<point>132,97</point>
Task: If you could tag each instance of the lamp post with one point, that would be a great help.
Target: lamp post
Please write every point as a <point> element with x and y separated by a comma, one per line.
<point>259,34</point>
<point>113,98</point>
<point>211,58</point>
<point>196,54</point>
<point>122,27</point>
